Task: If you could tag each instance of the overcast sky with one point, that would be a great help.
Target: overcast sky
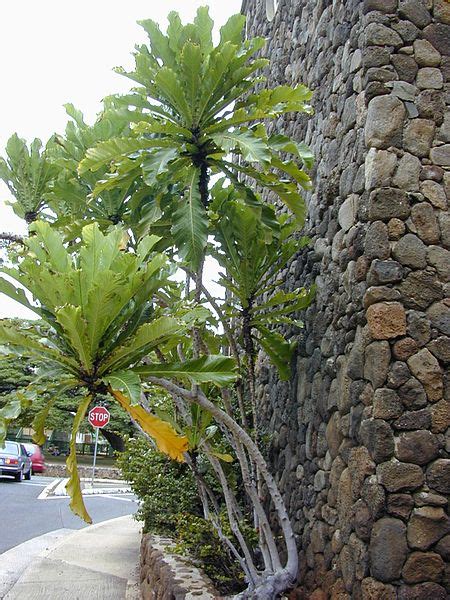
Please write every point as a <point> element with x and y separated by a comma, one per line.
<point>53,52</point>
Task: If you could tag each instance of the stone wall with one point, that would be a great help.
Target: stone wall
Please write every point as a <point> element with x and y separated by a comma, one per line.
<point>60,470</point>
<point>168,576</point>
<point>358,436</point>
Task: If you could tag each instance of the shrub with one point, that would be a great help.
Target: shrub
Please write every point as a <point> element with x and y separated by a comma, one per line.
<point>197,538</point>
<point>165,487</point>
<point>171,506</point>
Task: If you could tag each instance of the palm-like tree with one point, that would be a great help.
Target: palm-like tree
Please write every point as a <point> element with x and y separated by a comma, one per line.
<point>192,111</point>
<point>102,306</point>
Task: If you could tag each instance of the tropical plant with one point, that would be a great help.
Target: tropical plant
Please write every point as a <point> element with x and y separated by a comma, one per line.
<point>121,325</point>
<point>192,109</point>
<point>99,303</point>
<point>70,195</point>
<point>27,174</point>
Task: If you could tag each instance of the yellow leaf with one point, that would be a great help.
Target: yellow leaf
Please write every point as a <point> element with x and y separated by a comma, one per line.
<point>225,457</point>
<point>124,241</point>
<point>166,438</point>
<point>73,486</point>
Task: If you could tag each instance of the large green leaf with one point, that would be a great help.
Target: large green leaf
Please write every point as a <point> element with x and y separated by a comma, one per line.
<point>127,382</point>
<point>190,224</point>
<point>16,294</point>
<point>219,62</point>
<point>147,337</point>
<point>159,43</point>
<point>204,25</point>
<point>252,148</point>
<point>75,326</point>
<point>233,30</point>
<point>278,349</point>
<point>51,243</point>
<point>191,63</point>
<point>294,301</point>
<point>292,169</point>
<point>106,152</point>
<point>282,143</point>
<point>29,346</point>
<point>154,125</point>
<point>168,86</point>
<point>13,408</point>
<point>287,191</point>
<point>281,99</point>
<point>220,370</point>
<point>156,162</point>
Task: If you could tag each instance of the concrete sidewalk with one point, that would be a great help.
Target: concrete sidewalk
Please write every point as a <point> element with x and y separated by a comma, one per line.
<point>100,562</point>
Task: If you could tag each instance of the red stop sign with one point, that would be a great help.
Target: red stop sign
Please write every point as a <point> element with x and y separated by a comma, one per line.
<point>99,416</point>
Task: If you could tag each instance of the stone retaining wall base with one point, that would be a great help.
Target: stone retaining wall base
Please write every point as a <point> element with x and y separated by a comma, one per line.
<point>168,576</point>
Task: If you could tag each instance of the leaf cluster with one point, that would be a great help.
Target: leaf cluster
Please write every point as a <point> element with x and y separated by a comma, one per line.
<point>27,172</point>
<point>102,308</point>
<point>191,111</point>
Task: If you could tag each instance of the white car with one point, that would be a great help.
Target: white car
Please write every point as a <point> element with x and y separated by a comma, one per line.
<point>15,461</point>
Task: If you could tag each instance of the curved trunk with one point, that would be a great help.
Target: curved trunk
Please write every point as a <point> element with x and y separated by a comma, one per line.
<point>270,587</point>
<point>269,583</point>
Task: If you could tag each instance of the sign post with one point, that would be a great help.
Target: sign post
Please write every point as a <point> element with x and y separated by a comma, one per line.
<point>98,417</point>
<point>95,456</point>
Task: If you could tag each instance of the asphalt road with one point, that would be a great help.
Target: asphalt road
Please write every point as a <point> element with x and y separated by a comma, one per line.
<point>23,516</point>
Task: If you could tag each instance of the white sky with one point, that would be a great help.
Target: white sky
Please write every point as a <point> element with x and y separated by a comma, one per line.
<point>53,52</point>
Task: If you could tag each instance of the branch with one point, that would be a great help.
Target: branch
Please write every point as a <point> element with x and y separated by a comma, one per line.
<point>231,342</point>
<point>247,563</point>
<point>206,492</point>
<point>290,570</point>
<point>11,238</point>
<point>268,545</point>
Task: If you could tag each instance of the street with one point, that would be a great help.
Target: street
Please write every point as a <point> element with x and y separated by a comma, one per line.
<point>24,516</point>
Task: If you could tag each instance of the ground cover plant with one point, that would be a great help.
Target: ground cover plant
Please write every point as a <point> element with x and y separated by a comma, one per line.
<point>170,176</point>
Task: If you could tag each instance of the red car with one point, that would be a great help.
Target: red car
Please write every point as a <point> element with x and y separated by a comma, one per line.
<point>37,458</point>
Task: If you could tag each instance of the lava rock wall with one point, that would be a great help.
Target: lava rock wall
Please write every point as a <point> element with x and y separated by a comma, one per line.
<point>359,438</point>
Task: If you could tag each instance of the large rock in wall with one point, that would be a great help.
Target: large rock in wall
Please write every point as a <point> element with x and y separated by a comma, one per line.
<point>360,435</point>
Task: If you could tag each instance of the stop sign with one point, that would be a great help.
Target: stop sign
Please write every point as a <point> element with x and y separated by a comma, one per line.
<point>99,416</point>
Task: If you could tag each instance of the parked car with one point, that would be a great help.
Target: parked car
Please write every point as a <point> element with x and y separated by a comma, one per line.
<point>37,458</point>
<point>14,460</point>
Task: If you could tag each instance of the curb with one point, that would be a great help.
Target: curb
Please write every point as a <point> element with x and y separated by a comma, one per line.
<point>95,491</point>
<point>49,489</point>
<point>57,489</point>
<point>15,561</point>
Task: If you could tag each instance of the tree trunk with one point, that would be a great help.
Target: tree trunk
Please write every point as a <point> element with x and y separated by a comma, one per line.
<point>114,439</point>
